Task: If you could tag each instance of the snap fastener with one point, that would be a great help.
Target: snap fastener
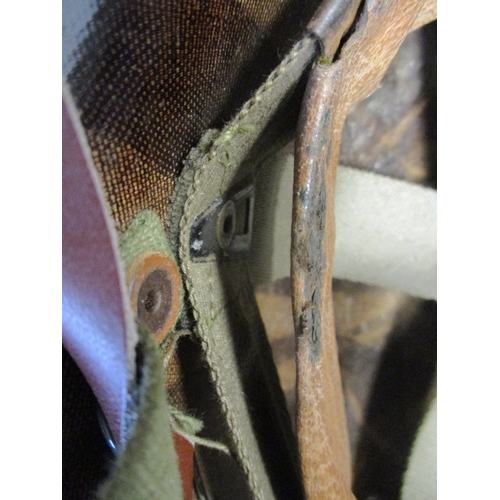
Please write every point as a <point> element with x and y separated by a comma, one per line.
<point>155,284</point>
<point>226,225</point>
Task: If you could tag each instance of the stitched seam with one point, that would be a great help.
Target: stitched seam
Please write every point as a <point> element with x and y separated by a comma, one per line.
<point>229,131</point>
<point>227,134</point>
<point>246,461</point>
<point>247,107</point>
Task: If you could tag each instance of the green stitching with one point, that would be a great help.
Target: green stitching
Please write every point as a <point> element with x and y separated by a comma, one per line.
<point>231,132</point>
<point>219,151</point>
<point>145,234</point>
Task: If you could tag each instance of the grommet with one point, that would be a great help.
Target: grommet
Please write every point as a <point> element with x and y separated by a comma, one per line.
<point>226,225</point>
<point>155,292</point>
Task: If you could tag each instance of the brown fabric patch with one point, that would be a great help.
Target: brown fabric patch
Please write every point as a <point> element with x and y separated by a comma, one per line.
<point>151,77</point>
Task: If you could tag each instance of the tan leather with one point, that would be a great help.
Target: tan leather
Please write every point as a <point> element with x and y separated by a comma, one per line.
<point>330,23</point>
<point>427,14</point>
<point>331,90</point>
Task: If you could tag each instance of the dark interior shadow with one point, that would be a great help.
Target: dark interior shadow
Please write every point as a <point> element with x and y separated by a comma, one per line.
<point>397,405</point>
<point>407,368</point>
<point>429,80</point>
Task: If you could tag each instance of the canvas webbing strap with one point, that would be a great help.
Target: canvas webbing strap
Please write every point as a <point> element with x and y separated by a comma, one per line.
<point>221,295</point>
<point>147,468</point>
<point>340,79</point>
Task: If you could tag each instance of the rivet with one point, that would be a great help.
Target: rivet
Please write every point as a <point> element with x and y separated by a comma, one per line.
<point>155,284</point>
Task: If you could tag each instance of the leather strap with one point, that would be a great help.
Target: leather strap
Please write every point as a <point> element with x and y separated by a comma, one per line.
<point>331,90</point>
<point>330,23</point>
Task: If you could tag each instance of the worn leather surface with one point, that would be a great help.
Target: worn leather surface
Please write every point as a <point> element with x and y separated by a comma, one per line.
<point>98,329</point>
<point>332,89</point>
<point>331,22</point>
<point>427,14</point>
<point>385,229</point>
